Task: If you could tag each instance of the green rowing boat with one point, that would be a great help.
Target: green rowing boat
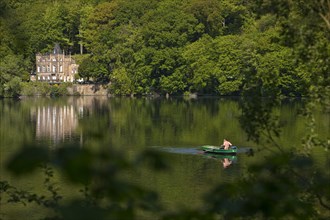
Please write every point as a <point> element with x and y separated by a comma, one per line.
<point>219,149</point>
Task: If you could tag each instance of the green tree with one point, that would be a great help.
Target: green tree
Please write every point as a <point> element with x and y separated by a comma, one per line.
<point>175,83</point>
<point>97,31</point>
<point>215,65</point>
<point>121,83</point>
<point>209,16</point>
<point>200,65</point>
<point>11,72</point>
<point>91,69</point>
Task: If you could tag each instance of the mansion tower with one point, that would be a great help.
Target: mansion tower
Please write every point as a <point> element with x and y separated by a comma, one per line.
<point>55,67</point>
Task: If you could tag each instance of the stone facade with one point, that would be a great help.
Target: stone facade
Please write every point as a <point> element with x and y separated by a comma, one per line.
<point>55,67</point>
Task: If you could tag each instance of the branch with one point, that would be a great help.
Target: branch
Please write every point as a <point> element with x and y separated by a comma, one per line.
<point>324,12</point>
<point>321,202</point>
<point>326,20</point>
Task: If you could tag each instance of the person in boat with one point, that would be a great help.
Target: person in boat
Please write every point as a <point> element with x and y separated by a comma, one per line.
<point>226,144</point>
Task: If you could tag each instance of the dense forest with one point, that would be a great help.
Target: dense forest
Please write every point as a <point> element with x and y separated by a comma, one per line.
<point>220,47</point>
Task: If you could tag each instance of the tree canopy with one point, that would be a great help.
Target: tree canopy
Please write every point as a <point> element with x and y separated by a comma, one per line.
<point>172,46</point>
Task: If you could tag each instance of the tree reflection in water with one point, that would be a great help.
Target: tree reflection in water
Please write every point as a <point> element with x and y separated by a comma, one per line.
<point>283,185</point>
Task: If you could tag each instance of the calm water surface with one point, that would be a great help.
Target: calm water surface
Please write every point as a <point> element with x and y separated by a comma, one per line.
<point>175,127</point>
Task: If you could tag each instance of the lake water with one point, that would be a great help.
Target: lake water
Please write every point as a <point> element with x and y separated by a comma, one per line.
<point>175,127</point>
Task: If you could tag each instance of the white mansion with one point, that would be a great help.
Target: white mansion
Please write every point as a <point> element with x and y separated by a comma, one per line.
<point>55,67</point>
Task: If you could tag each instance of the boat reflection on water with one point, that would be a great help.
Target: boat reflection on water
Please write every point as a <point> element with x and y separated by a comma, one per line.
<point>226,160</point>
<point>229,159</point>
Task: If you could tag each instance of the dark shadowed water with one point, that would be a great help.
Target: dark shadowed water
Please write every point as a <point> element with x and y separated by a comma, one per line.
<point>175,127</point>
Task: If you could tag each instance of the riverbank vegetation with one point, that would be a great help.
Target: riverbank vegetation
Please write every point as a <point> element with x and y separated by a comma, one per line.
<point>43,89</point>
<point>171,46</point>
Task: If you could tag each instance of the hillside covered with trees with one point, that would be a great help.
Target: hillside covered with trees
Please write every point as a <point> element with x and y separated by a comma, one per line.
<point>218,47</point>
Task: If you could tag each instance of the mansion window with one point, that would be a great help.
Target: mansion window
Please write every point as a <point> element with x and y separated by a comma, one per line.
<point>61,69</point>
<point>54,69</point>
<point>48,68</point>
<point>43,69</point>
<point>38,69</point>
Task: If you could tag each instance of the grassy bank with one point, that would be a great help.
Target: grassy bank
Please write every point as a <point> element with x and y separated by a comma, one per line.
<point>44,89</point>
<point>63,89</point>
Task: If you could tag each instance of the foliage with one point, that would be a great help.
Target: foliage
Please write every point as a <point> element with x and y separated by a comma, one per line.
<point>121,83</point>
<point>90,68</point>
<point>208,47</point>
<point>105,195</point>
<point>14,195</point>
<point>43,89</point>
<point>58,90</point>
<point>12,87</point>
<point>175,83</point>
<point>264,195</point>
<point>11,71</point>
